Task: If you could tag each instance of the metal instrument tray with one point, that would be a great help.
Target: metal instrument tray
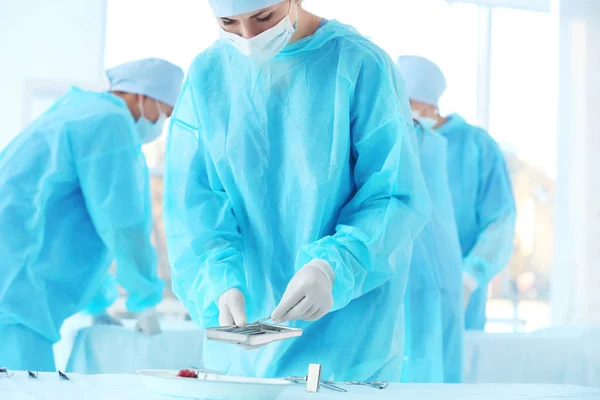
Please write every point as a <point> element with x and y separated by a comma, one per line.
<point>252,336</point>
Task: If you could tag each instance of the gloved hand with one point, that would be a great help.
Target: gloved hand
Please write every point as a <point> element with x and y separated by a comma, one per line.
<point>232,308</point>
<point>308,295</point>
<point>147,322</point>
<point>106,319</point>
<point>469,286</point>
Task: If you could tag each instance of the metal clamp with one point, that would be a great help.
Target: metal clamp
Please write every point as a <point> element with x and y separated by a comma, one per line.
<point>332,386</point>
<point>63,376</point>
<point>4,373</point>
<point>374,385</point>
<point>313,380</point>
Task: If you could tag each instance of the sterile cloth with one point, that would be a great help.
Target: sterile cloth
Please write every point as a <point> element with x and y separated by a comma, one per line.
<point>113,349</point>
<point>562,355</point>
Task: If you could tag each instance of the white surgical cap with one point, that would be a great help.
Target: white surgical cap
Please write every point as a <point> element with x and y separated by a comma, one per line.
<point>425,81</point>
<point>230,8</point>
<point>152,77</point>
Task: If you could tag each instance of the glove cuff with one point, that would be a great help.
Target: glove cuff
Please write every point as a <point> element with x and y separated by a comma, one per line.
<point>325,267</point>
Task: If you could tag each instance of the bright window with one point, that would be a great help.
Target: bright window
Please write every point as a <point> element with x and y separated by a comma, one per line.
<point>176,30</point>
<point>524,85</point>
<point>523,109</point>
<point>445,33</point>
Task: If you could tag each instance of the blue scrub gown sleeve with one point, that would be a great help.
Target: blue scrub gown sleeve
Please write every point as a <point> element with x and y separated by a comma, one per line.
<point>375,231</point>
<point>492,251</point>
<point>105,297</point>
<point>115,182</point>
<point>203,235</point>
<point>497,215</point>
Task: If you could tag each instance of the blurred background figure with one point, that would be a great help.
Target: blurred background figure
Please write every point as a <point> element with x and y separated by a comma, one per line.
<point>75,197</point>
<point>434,299</point>
<point>484,205</point>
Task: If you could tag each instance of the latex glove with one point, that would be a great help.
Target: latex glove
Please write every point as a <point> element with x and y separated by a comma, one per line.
<point>147,322</point>
<point>469,286</point>
<point>309,294</point>
<point>232,308</point>
<point>106,319</point>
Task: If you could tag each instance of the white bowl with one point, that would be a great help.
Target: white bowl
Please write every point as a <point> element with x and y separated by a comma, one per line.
<point>212,386</point>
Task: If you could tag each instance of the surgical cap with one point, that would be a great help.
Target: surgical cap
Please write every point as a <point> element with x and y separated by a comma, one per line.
<point>230,8</point>
<point>152,77</point>
<point>425,81</point>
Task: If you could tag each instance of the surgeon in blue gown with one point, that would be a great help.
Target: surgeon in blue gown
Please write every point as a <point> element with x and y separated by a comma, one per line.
<point>293,190</point>
<point>483,199</point>
<point>75,196</point>
<point>434,297</point>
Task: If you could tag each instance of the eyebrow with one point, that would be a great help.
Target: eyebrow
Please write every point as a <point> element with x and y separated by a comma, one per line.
<point>258,14</point>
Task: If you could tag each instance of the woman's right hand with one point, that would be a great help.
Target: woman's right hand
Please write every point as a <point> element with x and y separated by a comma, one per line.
<point>232,308</point>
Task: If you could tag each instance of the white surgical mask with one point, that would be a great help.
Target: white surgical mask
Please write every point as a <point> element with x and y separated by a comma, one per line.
<point>147,129</point>
<point>268,44</point>
<point>427,122</point>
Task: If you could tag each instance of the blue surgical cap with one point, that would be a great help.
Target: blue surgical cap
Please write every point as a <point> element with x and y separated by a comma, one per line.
<point>425,81</point>
<point>152,77</point>
<point>230,8</point>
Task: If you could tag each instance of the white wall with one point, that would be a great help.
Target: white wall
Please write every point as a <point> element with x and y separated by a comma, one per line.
<point>42,42</point>
<point>576,280</point>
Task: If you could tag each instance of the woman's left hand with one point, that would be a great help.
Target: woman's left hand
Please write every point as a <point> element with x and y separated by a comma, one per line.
<point>308,295</point>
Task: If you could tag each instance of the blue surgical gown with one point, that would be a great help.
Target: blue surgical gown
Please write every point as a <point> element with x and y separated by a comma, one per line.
<point>74,197</point>
<point>484,207</point>
<point>311,156</point>
<point>434,297</point>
